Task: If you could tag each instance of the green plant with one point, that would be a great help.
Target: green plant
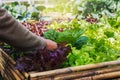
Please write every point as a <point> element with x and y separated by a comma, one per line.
<point>35,15</point>
<point>98,8</point>
<point>40,8</point>
<point>82,40</point>
<point>22,11</point>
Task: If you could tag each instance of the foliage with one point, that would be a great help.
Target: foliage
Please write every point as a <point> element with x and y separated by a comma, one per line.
<point>22,11</point>
<point>98,42</point>
<point>35,15</point>
<point>18,11</point>
<point>103,45</point>
<point>94,42</point>
<point>114,22</point>
<point>43,59</point>
<point>68,36</point>
<point>88,55</point>
<point>97,8</point>
<point>109,33</point>
<point>51,34</point>
<point>82,40</point>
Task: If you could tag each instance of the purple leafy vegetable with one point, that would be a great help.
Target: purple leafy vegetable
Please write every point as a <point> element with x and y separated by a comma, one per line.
<point>43,59</point>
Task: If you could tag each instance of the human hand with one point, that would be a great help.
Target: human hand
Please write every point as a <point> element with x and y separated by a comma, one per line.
<point>51,45</point>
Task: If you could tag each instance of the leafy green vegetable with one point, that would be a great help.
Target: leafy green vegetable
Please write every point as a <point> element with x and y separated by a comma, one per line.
<point>97,8</point>
<point>109,33</point>
<point>68,36</point>
<point>35,15</point>
<point>80,42</point>
<point>22,11</point>
<point>114,22</point>
<point>51,34</point>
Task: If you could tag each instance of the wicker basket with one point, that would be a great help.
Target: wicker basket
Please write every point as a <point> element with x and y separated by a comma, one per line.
<point>106,70</point>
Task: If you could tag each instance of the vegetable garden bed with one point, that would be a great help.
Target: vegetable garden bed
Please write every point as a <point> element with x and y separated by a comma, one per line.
<point>92,35</point>
<point>104,70</point>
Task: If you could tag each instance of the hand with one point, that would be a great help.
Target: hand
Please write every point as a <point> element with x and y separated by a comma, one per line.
<point>51,45</point>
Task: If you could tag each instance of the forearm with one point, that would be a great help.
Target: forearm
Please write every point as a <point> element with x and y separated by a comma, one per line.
<point>15,34</point>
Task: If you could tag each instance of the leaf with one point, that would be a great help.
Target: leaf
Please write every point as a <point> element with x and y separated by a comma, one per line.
<point>80,42</point>
<point>51,34</point>
<point>109,33</point>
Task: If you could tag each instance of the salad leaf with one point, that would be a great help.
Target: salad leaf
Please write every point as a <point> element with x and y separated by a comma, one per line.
<point>80,42</point>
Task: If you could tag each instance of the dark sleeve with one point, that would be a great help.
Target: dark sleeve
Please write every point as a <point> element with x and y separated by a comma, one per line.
<point>15,34</point>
